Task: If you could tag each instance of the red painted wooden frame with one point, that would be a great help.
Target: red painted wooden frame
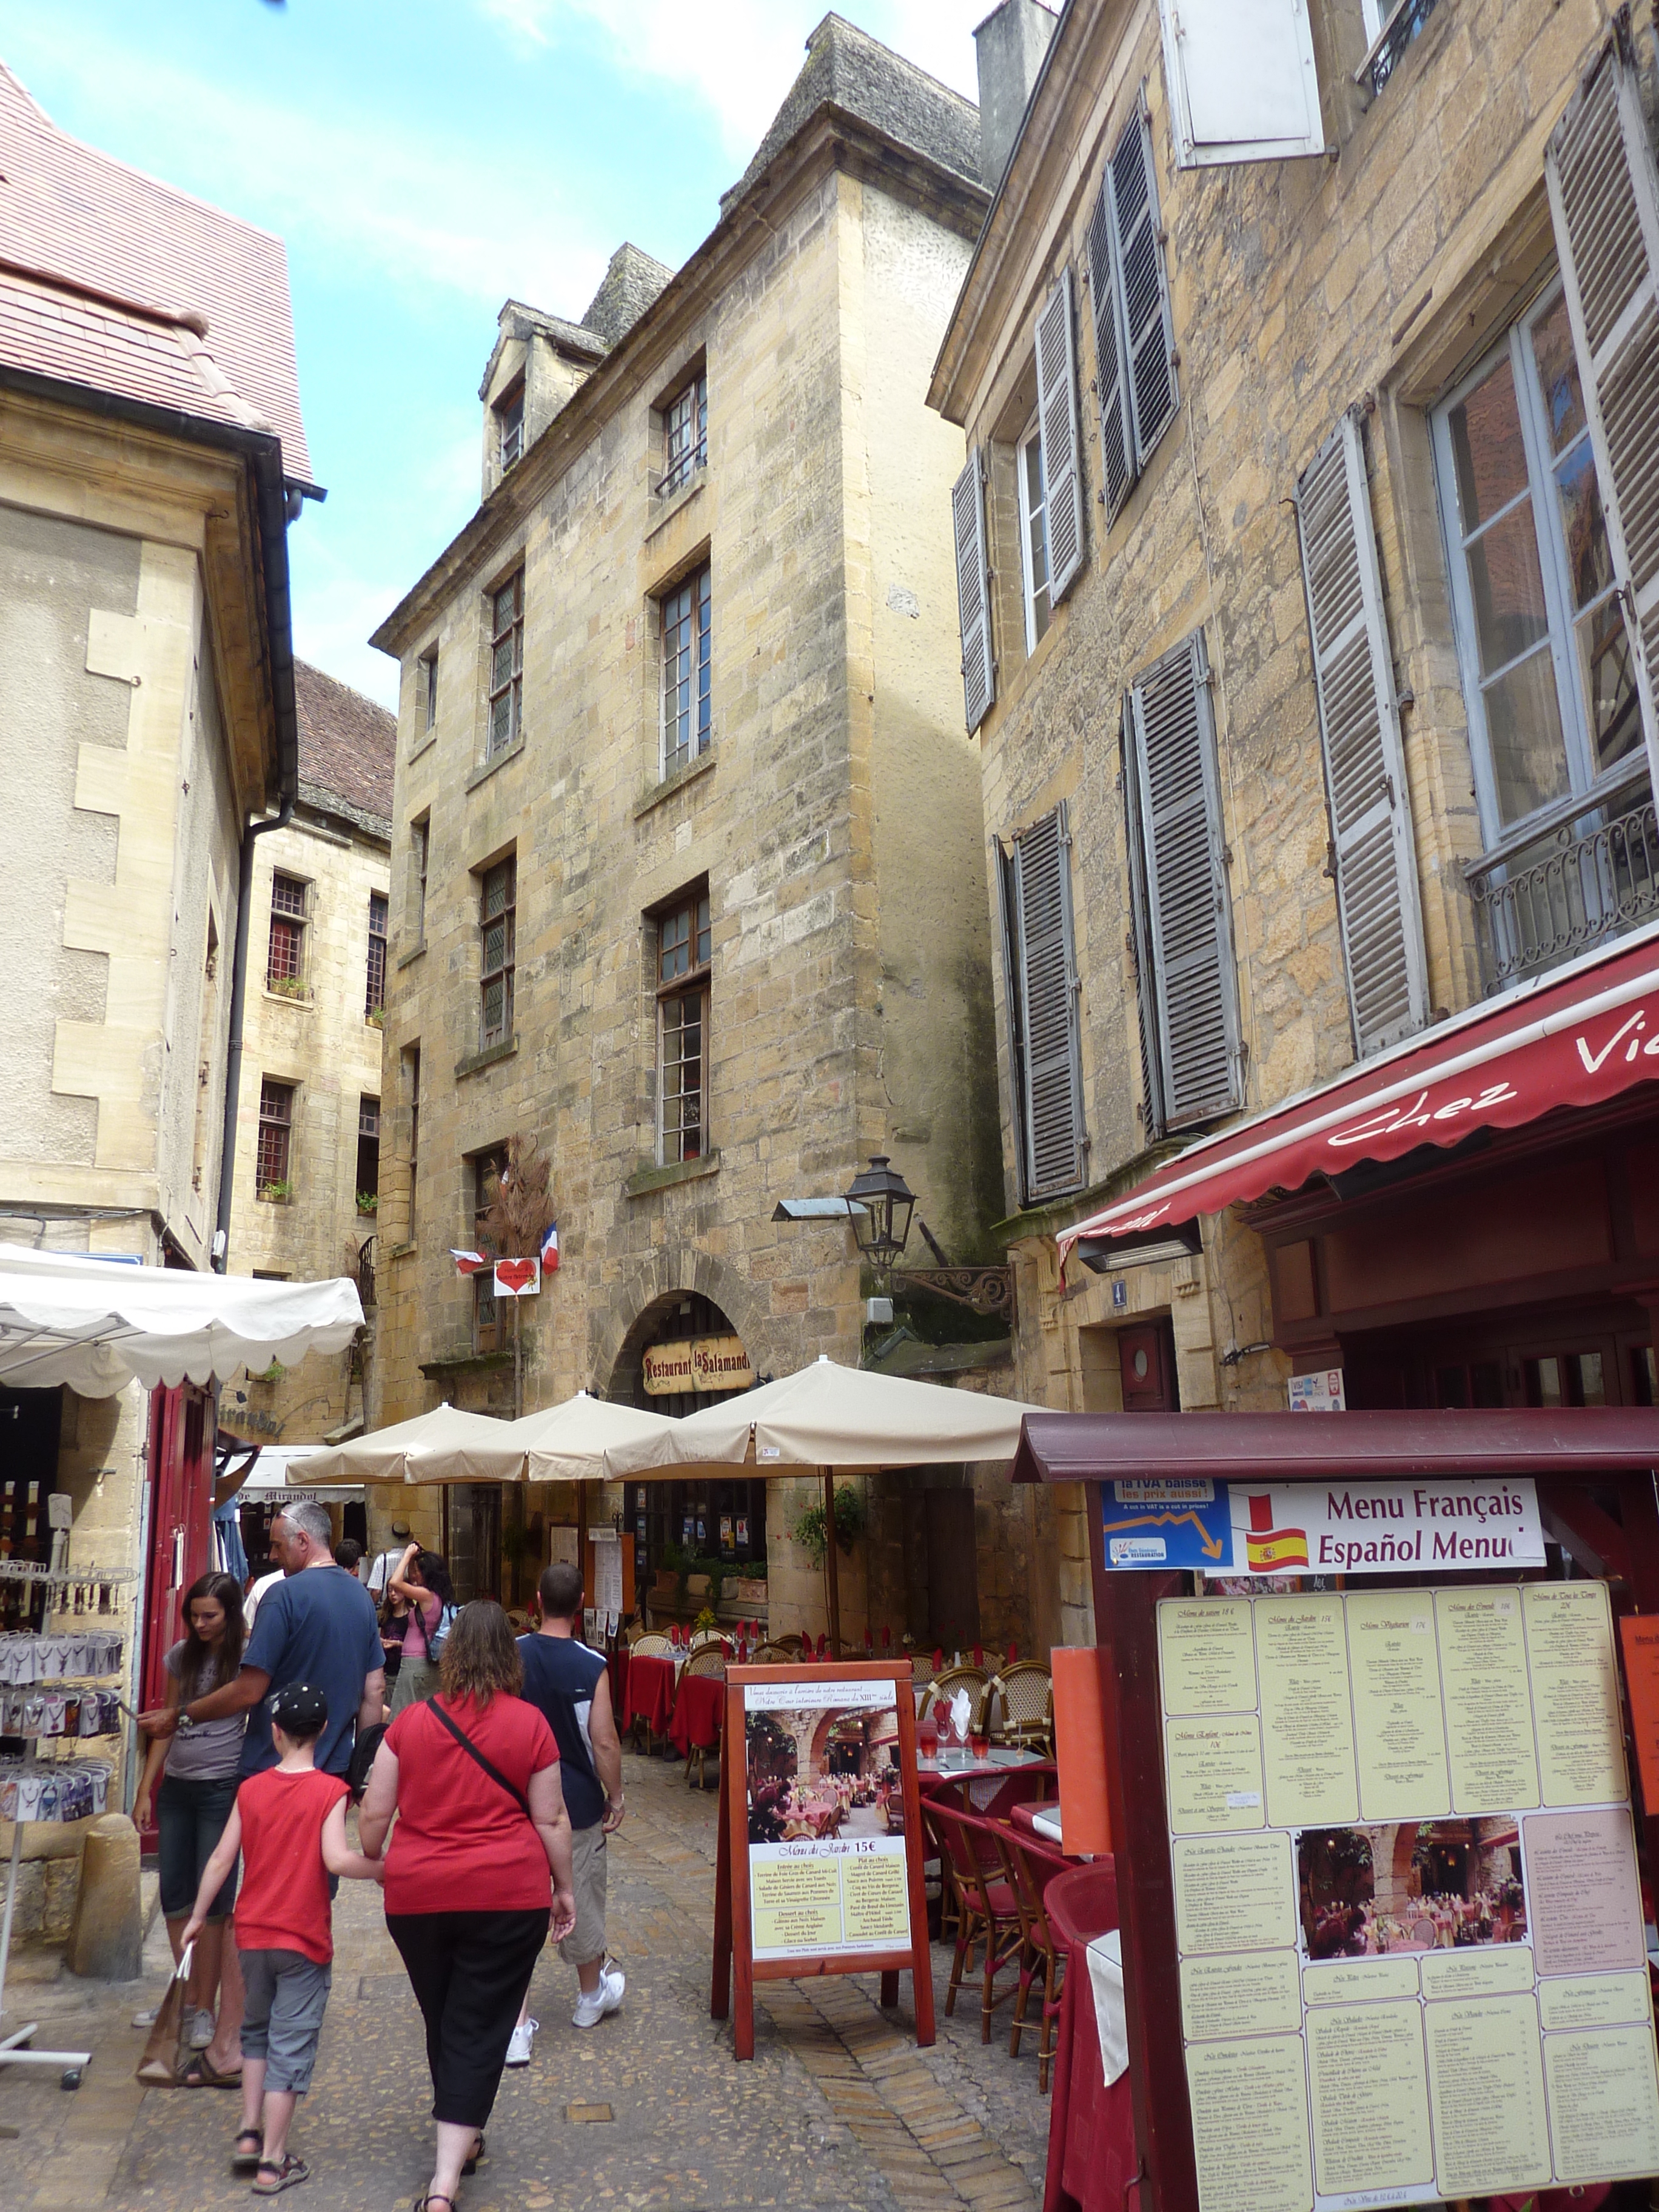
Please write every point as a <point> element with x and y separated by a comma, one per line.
<point>733,1932</point>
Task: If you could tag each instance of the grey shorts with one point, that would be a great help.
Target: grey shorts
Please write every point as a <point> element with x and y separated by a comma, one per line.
<point>586,1940</point>
<point>287,1997</point>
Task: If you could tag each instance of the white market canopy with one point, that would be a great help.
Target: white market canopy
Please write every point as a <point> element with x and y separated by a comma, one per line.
<point>435,1447</point>
<point>827,1415</point>
<point>566,1442</point>
<point>99,1324</point>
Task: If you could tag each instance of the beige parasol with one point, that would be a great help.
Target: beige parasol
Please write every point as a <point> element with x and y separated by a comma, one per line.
<point>433,1446</point>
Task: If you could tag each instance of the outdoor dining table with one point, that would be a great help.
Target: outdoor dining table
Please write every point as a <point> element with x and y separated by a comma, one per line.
<point>991,1787</point>
<point>1038,1816</point>
<point>698,1713</point>
<point>1092,2133</point>
<point>650,1692</point>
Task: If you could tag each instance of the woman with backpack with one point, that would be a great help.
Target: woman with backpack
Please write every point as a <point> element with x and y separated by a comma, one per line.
<point>421,1581</point>
<point>473,1780</point>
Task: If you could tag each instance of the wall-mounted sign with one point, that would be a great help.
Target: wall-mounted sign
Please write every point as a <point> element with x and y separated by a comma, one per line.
<point>1351,1527</point>
<point>1318,1394</point>
<point>517,1279</point>
<point>703,1362</point>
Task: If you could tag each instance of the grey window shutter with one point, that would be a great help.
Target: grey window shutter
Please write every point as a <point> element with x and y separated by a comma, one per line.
<point>1360,730</point>
<point>1048,1008</point>
<point>1117,444</point>
<point>1188,920</point>
<point>979,685</point>
<point>1604,200</point>
<point>1139,942</point>
<point>1062,476</point>
<point>1006,865</point>
<point>1148,325</point>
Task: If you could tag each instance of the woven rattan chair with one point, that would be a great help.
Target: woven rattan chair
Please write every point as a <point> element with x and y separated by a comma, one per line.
<point>990,1907</point>
<point>1019,1708</point>
<point>652,1645</point>
<point>707,1658</point>
<point>771,1655</point>
<point>922,1667</point>
<point>975,1680</point>
<point>791,1643</point>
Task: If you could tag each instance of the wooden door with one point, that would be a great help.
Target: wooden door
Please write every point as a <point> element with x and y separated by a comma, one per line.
<point>1146,1357</point>
<point>952,1570</point>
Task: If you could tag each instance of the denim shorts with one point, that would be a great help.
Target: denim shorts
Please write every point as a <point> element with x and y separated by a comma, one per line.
<point>192,1817</point>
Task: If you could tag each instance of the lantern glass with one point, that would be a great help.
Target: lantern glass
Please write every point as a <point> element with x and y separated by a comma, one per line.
<point>880,1203</point>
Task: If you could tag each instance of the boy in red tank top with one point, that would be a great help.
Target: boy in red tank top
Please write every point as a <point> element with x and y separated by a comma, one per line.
<point>289,1825</point>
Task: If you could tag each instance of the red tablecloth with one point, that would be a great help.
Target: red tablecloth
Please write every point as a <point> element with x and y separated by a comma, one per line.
<point>650,1693</point>
<point>1024,1816</point>
<point>995,1789</point>
<point>1092,2131</point>
<point>697,1711</point>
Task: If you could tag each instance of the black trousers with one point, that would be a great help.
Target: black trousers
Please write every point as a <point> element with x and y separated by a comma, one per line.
<point>470,1972</point>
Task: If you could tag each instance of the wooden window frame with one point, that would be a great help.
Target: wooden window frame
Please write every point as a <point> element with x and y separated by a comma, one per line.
<point>685,948</point>
<point>684,434</point>
<point>685,627</point>
<point>428,700</point>
<point>274,1146</point>
<point>505,683</point>
<point>288,923</point>
<point>508,411</point>
<point>411,1061</point>
<point>1037,616</point>
<point>420,856</point>
<point>374,976</point>
<point>368,1131</point>
<point>502,971</point>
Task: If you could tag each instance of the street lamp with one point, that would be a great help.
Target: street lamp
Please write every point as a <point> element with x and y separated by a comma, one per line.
<point>879,1205</point>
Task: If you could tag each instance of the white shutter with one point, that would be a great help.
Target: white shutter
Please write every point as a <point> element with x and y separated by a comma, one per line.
<point>1062,475</point>
<point>1188,921</point>
<point>1604,198</point>
<point>1360,729</point>
<point>1242,82</point>
<point>1116,436</point>
<point>979,683</point>
<point>1048,1008</point>
<point>1137,942</point>
<point>1147,324</point>
<point>1006,866</point>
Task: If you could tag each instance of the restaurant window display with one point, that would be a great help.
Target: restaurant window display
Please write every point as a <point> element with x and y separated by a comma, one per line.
<point>691,1356</point>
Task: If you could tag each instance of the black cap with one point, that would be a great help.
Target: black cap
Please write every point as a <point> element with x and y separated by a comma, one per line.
<point>298,1710</point>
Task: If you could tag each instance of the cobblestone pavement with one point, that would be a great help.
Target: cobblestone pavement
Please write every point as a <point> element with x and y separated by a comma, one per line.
<point>838,2109</point>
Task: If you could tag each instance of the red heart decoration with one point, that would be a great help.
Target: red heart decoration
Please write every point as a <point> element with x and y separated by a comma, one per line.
<point>514,1274</point>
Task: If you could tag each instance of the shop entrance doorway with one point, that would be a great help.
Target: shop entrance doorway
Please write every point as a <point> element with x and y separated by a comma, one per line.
<point>712,1519</point>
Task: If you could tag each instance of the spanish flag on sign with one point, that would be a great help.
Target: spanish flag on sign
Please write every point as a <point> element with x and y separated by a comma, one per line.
<point>1268,1550</point>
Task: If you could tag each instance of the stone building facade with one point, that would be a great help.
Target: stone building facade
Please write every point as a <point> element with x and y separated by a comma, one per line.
<point>1252,348</point>
<point>687,865</point>
<point>306,1191</point>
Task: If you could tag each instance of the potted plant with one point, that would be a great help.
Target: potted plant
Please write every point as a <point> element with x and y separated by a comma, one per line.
<point>368,1201</point>
<point>671,1567</point>
<point>850,1525</point>
<point>278,1192</point>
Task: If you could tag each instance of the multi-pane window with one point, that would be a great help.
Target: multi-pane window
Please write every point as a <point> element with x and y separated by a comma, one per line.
<point>685,714</point>
<point>427,690</point>
<point>374,989</point>
<point>412,1084</point>
<point>684,943</point>
<point>685,434</point>
<point>275,1155</point>
<point>497,923</point>
<point>486,1169</point>
<point>1547,670</point>
<point>509,427</point>
<point>285,961</point>
<point>420,835</point>
<point>368,1154</point>
<point>506,662</point>
<point>1033,537</point>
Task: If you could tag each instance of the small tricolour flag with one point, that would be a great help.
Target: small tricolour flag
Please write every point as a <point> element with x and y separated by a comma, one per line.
<point>467,1263</point>
<point>550,1248</point>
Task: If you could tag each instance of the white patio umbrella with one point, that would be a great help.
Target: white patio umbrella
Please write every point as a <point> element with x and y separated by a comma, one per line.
<point>99,1324</point>
<point>569,1442</point>
<point>435,1446</point>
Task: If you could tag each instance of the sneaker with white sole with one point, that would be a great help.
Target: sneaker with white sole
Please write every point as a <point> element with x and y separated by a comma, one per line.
<point>590,2010</point>
<point>202,2027</point>
<point>517,2049</point>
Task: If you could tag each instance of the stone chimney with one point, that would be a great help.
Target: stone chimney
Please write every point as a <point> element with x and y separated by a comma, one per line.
<point>1011,42</point>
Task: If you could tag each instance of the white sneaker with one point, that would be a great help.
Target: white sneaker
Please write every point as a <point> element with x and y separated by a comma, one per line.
<point>201,2031</point>
<point>590,2010</point>
<point>517,2049</point>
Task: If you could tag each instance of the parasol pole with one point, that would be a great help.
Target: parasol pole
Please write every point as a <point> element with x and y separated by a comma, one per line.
<point>582,1539</point>
<point>831,1572</point>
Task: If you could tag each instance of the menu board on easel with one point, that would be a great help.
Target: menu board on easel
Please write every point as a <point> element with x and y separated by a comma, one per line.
<point>820,1859</point>
<point>1413,1963</point>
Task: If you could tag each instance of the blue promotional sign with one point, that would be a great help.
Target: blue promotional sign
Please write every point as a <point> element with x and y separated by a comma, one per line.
<point>1175,1522</point>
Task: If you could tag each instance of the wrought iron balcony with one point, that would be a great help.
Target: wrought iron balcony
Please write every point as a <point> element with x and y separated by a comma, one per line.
<point>1392,41</point>
<point>366,1272</point>
<point>1572,883</point>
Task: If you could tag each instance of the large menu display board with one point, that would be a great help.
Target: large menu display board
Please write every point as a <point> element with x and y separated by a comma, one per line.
<point>1411,1953</point>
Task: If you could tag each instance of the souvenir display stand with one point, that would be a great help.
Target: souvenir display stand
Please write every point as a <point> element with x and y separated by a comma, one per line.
<point>47,1677</point>
<point>1380,1689</point>
<point>820,1865</point>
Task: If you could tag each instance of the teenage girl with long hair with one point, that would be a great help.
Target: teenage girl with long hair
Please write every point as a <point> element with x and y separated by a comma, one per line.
<point>421,1580</point>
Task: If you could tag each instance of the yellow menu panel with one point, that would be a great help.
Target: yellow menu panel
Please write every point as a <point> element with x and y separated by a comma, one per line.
<point>1307,1727</point>
<point>1207,1654</point>
<point>1369,2093</point>
<point>1604,2104</point>
<point>1255,1994</point>
<point>1399,1729</point>
<point>1234,1893</point>
<point>1575,1693</point>
<point>1357,1981</point>
<point>1503,1970</point>
<point>1214,1770</point>
<point>1595,2001</point>
<point>1250,2103</point>
<point>1485,2084</point>
<point>1483,1669</point>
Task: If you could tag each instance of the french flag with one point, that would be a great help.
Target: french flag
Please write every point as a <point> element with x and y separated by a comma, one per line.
<point>551,1249</point>
<point>467,1263</point>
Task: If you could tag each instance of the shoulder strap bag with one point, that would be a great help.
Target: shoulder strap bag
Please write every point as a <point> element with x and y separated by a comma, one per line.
<point>489,1765</point>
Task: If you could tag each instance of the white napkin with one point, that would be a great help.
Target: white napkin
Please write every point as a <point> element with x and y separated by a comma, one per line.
<point>1111,2017</point>
<point>962,1707</point>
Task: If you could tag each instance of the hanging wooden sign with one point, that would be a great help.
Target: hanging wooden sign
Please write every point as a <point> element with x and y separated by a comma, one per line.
<point>820,1869</point>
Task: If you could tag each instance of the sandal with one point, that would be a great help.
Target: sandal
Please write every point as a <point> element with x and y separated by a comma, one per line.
<point>288,2175</point>
<point>475,2156</point>
<point>425,2204</point>
<point>245,2161</point>
<point>201,2073</point>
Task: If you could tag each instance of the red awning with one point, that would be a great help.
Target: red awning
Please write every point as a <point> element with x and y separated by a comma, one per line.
<point>1570,1039</point>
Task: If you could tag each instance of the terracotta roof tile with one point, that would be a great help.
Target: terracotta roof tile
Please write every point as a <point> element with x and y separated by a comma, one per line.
<point>347,743</point>
<point>74,222</point>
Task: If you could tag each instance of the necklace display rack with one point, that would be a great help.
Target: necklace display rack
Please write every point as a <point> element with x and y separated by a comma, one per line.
<point>72,1592</point>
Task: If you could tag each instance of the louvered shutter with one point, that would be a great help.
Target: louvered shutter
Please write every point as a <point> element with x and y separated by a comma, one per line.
<point>1188,921</point>
<point>1360,729</point>
<point>1062,476</point>
<point>1048,1008</point>
<point>1006,866</point>
<point>1137,942</point>
<point>1116,436</point>
<point>1604,199</point>
<point>979,685</point>
<point>1143,294</point>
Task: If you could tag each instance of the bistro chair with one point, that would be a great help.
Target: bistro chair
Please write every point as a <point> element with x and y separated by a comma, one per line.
<point>652,1645</point>
<point>707,1658</point>
<point>771,1655</point>
<point>1028,1868</point>
<point>709,1635</point>
<point>791,1643</point>
<point>975,1680</point>
<point>990,1907</point>
<point>922,1667</point>
<point>1020,1705</point>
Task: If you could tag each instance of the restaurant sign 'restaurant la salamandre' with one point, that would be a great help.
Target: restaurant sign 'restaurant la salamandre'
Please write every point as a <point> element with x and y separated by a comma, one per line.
<point>703,1362</point>
<point>1309,1528</point>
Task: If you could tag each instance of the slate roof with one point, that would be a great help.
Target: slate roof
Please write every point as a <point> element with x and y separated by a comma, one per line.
<point>111,279</point>
<point>347,746</point>
<point>846,67</point>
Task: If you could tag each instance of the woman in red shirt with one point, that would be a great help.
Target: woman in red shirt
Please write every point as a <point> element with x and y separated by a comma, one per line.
<point>473,1777</point>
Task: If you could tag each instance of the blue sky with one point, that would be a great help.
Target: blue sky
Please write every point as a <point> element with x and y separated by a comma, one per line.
<point>422,159</point>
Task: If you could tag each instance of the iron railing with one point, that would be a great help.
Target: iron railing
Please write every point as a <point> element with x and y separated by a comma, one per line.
<point>366,1272</point>
<point>1588,878</point>
<point>1396,35</point>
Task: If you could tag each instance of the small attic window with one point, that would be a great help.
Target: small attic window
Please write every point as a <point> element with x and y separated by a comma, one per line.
<point>509,426</point>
